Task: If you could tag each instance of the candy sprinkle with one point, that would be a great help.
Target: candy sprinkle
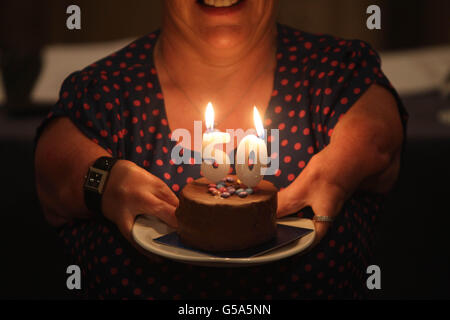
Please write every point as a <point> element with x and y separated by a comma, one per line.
<point>242,194</point>
<point>239,191</point>
<point>229,179</point>
<point>231,190</point>
<point>212,190</point>
<point>225,195</point>
<point>249,190</point>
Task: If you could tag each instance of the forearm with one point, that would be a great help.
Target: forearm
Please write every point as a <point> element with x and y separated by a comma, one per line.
<point>364,150</point>
<point>63,156</point>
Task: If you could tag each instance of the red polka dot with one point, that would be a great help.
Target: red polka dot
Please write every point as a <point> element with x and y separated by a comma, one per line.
<point>291,177</point>
<point>287,159</point>
<point>137,292</point>
<point>175,187</point>
<point>139,149</point>
<point>164,289</point>
<point>344,100</point>
<point>306,131</point>
<point>298,146</point>
<point>301,164</point>
<point>308,45</point>
<point>278,109</point>
<point>308,268</point>
<point>159,162</point>
<point>137,103</point>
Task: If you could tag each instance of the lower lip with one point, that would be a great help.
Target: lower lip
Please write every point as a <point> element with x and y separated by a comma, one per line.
<point>222,10</point>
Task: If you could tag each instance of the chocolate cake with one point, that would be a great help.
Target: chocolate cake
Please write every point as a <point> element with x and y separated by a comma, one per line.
<point>226,218</point>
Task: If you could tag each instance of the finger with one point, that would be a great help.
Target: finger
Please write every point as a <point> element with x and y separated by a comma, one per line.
<point>291,200</point>
<point>321,229</point>
<point>163,192</point>
<point>125,226</point>
<point>160,209</point>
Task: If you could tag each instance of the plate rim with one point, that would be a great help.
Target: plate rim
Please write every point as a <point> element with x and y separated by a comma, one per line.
<point>157,248</point>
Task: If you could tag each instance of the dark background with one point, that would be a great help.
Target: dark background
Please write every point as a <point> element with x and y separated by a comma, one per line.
<point>413,238</point>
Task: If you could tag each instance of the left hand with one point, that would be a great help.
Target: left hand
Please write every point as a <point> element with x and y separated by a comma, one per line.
<point>315,187</point>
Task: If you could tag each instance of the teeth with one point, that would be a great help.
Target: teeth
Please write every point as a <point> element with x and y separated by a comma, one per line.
<point>220,3</point>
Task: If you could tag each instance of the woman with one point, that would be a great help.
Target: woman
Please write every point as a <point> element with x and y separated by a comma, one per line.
<point>126,105</point>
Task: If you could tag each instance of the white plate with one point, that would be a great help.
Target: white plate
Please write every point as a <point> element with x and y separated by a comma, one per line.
<point>147,228</point>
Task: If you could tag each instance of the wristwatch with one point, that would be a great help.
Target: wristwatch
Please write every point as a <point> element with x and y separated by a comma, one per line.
<point>95,182</point>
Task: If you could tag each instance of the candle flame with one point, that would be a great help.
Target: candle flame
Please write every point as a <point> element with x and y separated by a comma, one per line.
<point>209,117</point>
<point>258,123</point>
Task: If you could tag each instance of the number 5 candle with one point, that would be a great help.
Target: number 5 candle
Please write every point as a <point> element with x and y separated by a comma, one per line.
<point>215,162</point>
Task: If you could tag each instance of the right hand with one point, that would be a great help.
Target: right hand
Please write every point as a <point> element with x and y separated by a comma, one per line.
<point>132,191</point>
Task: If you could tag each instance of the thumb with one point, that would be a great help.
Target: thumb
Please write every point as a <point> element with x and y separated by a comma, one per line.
<point>321,229</point>
<point>292,199</point>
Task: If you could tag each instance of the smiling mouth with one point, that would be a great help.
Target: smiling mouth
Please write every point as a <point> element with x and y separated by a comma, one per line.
<point>219,3</point>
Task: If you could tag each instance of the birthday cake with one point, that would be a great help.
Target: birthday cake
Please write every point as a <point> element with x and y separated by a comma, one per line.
<point>226,216</point>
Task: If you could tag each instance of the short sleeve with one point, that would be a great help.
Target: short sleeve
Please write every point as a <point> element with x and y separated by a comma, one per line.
<point>88,101</point>
<point>355,68</point>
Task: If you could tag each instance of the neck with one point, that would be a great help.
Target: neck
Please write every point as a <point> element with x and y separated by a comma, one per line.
<point>213,75</point>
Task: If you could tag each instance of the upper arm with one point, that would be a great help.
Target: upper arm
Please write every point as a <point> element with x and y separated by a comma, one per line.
<point>62,157</point>
<point>374,117</point>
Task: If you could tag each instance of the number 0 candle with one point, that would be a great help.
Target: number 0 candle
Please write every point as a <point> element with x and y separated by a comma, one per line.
<point>252,155</point>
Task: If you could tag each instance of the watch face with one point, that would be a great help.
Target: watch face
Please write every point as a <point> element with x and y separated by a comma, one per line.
<point>95,180</point>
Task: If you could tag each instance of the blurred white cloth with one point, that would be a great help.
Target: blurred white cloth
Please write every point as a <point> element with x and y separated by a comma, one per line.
<point>411,72</point>
<point>417,71</point>
<point>59,61</point>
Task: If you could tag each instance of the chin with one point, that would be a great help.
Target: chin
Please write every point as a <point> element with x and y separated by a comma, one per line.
<point>225,37</point>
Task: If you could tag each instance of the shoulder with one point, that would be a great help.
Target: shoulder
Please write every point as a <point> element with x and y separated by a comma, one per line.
<point>118,76</point>
<point>304,48</point>
<point>126,62</point>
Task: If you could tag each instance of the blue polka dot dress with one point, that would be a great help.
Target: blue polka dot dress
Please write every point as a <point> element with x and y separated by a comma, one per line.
<point>117,102</point>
